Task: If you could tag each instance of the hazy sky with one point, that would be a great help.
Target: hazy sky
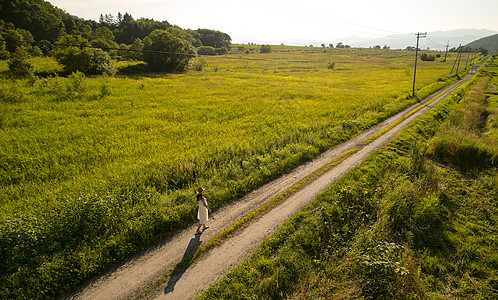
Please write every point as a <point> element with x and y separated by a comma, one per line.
<point>294,22</point>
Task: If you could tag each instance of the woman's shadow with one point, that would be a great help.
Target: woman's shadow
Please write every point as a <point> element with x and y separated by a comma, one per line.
<point>184,264</point>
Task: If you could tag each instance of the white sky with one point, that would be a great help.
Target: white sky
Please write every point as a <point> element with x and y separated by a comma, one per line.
<point>298,21</point>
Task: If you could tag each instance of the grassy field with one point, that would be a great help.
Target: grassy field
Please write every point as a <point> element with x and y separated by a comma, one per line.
<point>94,169</point>
<point>416,220</point>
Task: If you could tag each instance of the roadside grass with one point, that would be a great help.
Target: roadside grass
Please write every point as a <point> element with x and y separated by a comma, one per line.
<point>94,169</point>
<point>402,225</point>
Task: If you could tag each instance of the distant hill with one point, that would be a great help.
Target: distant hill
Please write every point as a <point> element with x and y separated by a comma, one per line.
<point>436,40</point>
<point>489,42</point>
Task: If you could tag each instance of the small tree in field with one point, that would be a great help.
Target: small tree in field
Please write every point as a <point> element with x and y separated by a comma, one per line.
<point>427,57</point>
<point>88,61</point>
<point>265,49</point>
<point>176,51</point>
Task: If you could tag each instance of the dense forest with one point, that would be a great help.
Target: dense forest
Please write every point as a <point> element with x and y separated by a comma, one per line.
<point>36,27</point>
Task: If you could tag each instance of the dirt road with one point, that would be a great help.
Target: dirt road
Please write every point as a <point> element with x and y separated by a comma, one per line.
<point>132,280</point>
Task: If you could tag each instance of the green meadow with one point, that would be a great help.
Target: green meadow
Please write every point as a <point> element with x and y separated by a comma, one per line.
<point>416,220</point>
<point>94,169</point>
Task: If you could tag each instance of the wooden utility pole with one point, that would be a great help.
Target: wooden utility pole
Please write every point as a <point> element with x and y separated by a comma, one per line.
<point>446,54</point>
<point>458,57</point>
<point>419,35</point>
<point>468,54</point>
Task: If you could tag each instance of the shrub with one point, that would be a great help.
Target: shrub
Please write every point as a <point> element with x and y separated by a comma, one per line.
<point>19,66</point>
<point>221,51</point>
<point>331,65</point>
<point>265,49</point>
<point>77,83</point>
<point>427,57</point>
<point>206,50</point>
<point>199,64</point>
<point>88,61</point>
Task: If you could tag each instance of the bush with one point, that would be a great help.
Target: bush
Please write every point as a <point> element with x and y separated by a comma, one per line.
<point>199,64</point>
<point>88,61</point>
<point>206,50</point>
<point>265,49</point>
<point>77,84</point>
<point>221,51</point>
<point>427,57</point>
<point>19,67</point>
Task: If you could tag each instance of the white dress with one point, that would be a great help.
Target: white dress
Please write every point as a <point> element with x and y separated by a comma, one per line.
<point>202,212</point>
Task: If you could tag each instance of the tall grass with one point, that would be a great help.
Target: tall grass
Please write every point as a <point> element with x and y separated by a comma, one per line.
<point>399,226</point>
<point>94,169</point>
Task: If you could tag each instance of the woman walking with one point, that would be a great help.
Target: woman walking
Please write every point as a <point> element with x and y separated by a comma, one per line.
<point>202,212</point>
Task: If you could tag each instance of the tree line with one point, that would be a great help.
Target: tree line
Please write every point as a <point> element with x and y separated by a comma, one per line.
<point>36,27</point>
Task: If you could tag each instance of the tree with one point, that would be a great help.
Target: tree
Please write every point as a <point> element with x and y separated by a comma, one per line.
<point>265,49</point>
<point>103,33</point>
<point>66,41</point>
<point>206,50</point>
<point>214,38</point>
<point>136,50</point>
<point>103,38</point>
<point>4,54</point>
<point>427,57</point>
<point>483,51</point>
<point>19,67</point>
<point>88,61</point>
<point>14,37</point>
<point>129,29</point>
<point>178,51</point>
<point>40,18</point>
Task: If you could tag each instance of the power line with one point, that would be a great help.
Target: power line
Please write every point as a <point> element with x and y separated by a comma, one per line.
<point>434,42</point>
<point>169,53</point>
<point>300,8</point>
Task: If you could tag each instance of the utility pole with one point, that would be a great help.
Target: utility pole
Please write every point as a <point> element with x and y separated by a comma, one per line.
<point>447,45</point>
<point>458,56</point>
<point>419,35</point>
<point>468,54</point>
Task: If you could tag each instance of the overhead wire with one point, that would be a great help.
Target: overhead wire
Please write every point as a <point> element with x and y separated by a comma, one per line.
<point>385,33</point>
<point>434,42</point>
<point>169,53</point>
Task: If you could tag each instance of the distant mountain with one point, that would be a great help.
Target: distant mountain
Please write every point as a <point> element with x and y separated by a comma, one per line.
<point>490,43</point>
<point>435,40</point>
